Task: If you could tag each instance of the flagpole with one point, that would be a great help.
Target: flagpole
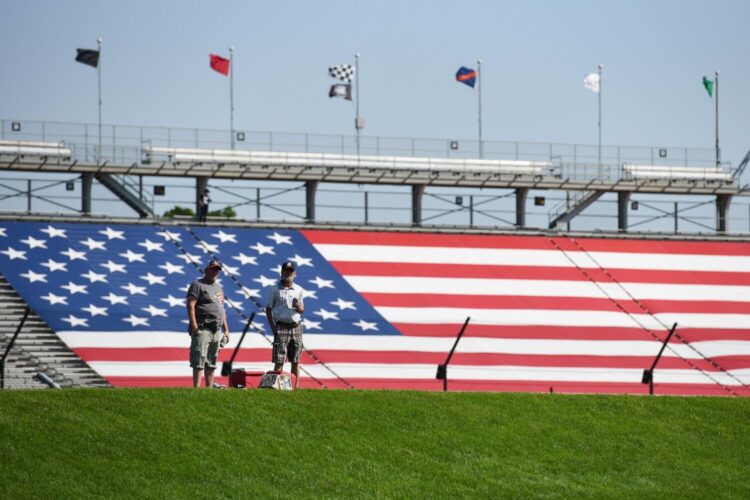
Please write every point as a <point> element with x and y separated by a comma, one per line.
<point>356,78</point>
<point>718,151</point>
<point>231,96</point>
<point>599,148</point>
<point>479,70</point>
<point>99,78</point>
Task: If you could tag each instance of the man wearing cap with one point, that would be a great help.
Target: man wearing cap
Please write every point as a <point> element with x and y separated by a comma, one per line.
<point>284,313</point>
<point>206,319</point>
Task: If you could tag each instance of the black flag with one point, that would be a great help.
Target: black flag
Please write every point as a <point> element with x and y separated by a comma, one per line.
<point>341,90</point>
<point>88,56</point>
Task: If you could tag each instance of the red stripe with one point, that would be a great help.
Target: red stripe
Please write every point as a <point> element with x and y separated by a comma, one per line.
<point>553,303</point>
<point>529,360</point>
<point>413,357</point>
<point>700,334</point>
<point>564,332</point>
<point>663,246</point>
<point>396,269</point>
<point>527,242</point>
<point>426,240</point>
<point>470,385</point>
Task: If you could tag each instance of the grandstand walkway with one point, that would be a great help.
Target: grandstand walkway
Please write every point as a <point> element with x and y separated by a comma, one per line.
<point>38,349</point>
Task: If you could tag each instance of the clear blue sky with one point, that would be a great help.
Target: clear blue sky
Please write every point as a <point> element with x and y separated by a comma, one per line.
<point>535,54</point>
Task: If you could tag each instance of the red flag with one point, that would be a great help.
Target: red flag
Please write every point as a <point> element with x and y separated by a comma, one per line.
<point>219,64</point>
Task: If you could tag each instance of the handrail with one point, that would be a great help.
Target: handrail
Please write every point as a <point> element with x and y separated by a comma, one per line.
<point>10,346</point>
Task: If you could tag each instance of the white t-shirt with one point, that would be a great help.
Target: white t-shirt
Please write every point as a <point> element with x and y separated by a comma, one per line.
<point>281,301</point>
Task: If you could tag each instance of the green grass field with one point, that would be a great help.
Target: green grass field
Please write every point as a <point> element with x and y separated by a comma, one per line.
<point>227,443</point>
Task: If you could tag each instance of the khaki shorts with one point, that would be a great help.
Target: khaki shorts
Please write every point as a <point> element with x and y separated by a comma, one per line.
<point>204,348</point>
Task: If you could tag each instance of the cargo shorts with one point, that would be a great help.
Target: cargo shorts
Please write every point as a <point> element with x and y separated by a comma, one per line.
<point>287,343</point>
<point>204,348</point>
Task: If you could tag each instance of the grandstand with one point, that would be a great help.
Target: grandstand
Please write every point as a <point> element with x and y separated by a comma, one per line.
<point>550,311</point>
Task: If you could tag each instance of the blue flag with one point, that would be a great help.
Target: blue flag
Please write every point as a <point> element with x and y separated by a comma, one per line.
<point>467,76</point>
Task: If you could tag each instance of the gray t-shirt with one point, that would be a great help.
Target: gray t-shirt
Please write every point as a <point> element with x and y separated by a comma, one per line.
<point>281,302</point>
<point>209,310</point>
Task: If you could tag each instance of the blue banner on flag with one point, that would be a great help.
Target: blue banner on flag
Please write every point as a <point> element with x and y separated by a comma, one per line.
<point>467,76</point>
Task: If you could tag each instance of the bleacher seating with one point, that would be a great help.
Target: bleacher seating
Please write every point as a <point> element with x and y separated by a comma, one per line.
<point>666,172</point>
<point>37,349</point>
<point>36,149</point>
<point>325,160</point>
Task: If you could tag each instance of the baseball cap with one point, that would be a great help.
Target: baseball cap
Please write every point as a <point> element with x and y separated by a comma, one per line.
<point>213,263</point>
<point>289,266</point>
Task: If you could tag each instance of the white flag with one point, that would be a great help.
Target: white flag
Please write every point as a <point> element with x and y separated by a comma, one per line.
<point>592,82</point>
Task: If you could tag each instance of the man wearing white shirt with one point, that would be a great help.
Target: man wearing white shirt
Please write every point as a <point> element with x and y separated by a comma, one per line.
<point>284,310</point>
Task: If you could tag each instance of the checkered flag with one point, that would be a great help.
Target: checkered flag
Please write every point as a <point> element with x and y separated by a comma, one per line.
<point>343,72</point>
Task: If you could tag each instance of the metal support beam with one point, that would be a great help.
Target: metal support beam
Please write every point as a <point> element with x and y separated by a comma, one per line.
<point>623,200</point>
<point>87,180</point>
<point>311,188</point>
<point>521,195</point>
<point>201,183</point>
<point>417,190</point>
<point>722,212</point>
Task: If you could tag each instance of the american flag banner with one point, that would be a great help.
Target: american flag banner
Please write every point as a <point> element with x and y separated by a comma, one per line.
<point>382,309</point>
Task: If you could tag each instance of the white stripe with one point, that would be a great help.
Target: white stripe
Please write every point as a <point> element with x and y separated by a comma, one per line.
<point>398,343</point>
<point>427,372</point>
<point>548,317</point>
<point>547,288</point>
<point>525,257</point>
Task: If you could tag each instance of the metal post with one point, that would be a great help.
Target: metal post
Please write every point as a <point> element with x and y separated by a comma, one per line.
<point>311,188</point>
<point>623,198</point>
<point>367,218</point>
<point>471,210</point>
<point>140,187</point>
<point>10,346</point>
<point>718,151</point>
<point>257,203</point>
<point>479,71</point>
<point>87,180</point>
<point>28,195</point>
<point>99,77</point>
<point>599,94</point>
<point>417,190</point>
<point>356,102</point>
<point>231,95</point>
<point>648,375</point>
<point>722,212</point>
<point>676,217</point>
<point>521,195</point>
<point>442,370</point>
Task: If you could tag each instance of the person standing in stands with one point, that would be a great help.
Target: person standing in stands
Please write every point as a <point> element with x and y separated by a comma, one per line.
<point>203,206</point>
<point>284,310</point>
<point>206,320</point>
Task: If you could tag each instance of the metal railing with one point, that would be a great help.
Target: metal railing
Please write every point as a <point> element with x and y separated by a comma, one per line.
<point>121,144</point>
<point>369,205</point>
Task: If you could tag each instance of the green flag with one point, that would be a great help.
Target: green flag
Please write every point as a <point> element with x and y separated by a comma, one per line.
<point>709,86</point>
